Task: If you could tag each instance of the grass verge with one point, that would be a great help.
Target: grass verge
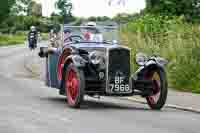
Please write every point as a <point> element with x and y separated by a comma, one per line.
<point>6,40</point>
<point>20,38</point>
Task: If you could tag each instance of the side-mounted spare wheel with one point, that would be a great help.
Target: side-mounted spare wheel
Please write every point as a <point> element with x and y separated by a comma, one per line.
<point>160,88</point>
<point>74,85</point>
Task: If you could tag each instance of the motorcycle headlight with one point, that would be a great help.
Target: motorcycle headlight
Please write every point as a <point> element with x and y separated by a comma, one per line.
<point>141,59</point>
<point>96,58</point>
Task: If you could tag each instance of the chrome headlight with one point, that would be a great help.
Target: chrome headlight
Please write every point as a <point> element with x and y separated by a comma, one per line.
<point>96,58</point>
<point>141,59</point>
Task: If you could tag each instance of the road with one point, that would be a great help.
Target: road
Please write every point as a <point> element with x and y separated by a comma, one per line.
<point>27,106</point>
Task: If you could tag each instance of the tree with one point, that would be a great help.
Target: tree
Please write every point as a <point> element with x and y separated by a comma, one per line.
<point>65,8</point>
<point>188,8</point>
<point>20,7</point>
<point>34,9</point>
<point>26,7</point>
<point>5,7</point>
<point>56,18</point>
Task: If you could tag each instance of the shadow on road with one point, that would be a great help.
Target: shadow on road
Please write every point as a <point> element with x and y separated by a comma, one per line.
<point>109,105</point>
<point>95,104</point>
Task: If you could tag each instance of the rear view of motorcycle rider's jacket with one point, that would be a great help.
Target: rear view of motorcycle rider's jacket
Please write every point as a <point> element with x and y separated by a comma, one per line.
<point>32,35</point>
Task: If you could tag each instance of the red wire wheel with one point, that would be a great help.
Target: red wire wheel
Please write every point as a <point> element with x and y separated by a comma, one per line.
<point>158,98</point>
<point>74,85</point>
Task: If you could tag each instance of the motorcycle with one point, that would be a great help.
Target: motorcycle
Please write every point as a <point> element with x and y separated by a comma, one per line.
<point>32,43</point>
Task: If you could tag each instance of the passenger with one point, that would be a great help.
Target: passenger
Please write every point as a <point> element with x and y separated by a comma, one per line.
<point>55,39</point>
<point>93,34</point>
<point>52,38</point>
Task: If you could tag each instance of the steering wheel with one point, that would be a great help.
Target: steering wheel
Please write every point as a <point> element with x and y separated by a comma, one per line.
<point>74,38</point>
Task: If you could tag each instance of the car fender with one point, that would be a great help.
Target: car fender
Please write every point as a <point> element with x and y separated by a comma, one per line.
<point>149,65</point>
<point>77,60</point>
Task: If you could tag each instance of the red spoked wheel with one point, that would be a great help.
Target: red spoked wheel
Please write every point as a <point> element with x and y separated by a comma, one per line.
<point>74,85</point>
<point>158,98</point>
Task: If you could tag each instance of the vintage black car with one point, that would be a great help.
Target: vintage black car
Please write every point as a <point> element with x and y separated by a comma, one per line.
<point>101,67</point>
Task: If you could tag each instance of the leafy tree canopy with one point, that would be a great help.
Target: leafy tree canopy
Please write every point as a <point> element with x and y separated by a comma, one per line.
<point>189,8</point>
<point>34,9</point>
<point>5,7</point>
<point>65,8</point>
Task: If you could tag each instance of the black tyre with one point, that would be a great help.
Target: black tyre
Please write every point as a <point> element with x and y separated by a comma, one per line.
<point>160,89</point>
<point>74,85</point>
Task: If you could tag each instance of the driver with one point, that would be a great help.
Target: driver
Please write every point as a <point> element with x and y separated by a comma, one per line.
<point>93,34</point>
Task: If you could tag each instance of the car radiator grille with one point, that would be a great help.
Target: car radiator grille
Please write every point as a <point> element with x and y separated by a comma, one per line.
<point>119,64</point>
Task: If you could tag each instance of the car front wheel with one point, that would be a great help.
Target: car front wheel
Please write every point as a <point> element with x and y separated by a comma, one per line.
<point>74,86</point>
<point>160,89</point>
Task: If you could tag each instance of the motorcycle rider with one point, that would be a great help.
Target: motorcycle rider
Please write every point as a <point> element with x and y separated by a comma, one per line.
<point>32,37</point>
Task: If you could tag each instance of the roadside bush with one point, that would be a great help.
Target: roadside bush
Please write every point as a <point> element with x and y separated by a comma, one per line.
<point>175,40</point>
<point>155,24</point>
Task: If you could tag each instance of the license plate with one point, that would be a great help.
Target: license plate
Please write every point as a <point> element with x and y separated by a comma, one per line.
<point>119,86</point>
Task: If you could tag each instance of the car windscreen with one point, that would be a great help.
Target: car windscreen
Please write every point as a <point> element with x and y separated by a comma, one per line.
<point>92,33</point>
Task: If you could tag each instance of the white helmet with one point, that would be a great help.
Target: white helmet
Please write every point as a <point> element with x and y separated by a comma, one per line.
<point>33,28</point>
<point>52,31</point>
<point>91,24</point>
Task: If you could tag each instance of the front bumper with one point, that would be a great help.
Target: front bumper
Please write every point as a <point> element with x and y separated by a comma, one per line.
<point>143,88</point>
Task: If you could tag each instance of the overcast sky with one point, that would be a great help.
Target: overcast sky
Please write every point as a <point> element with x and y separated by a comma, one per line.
<point>87,8</point>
